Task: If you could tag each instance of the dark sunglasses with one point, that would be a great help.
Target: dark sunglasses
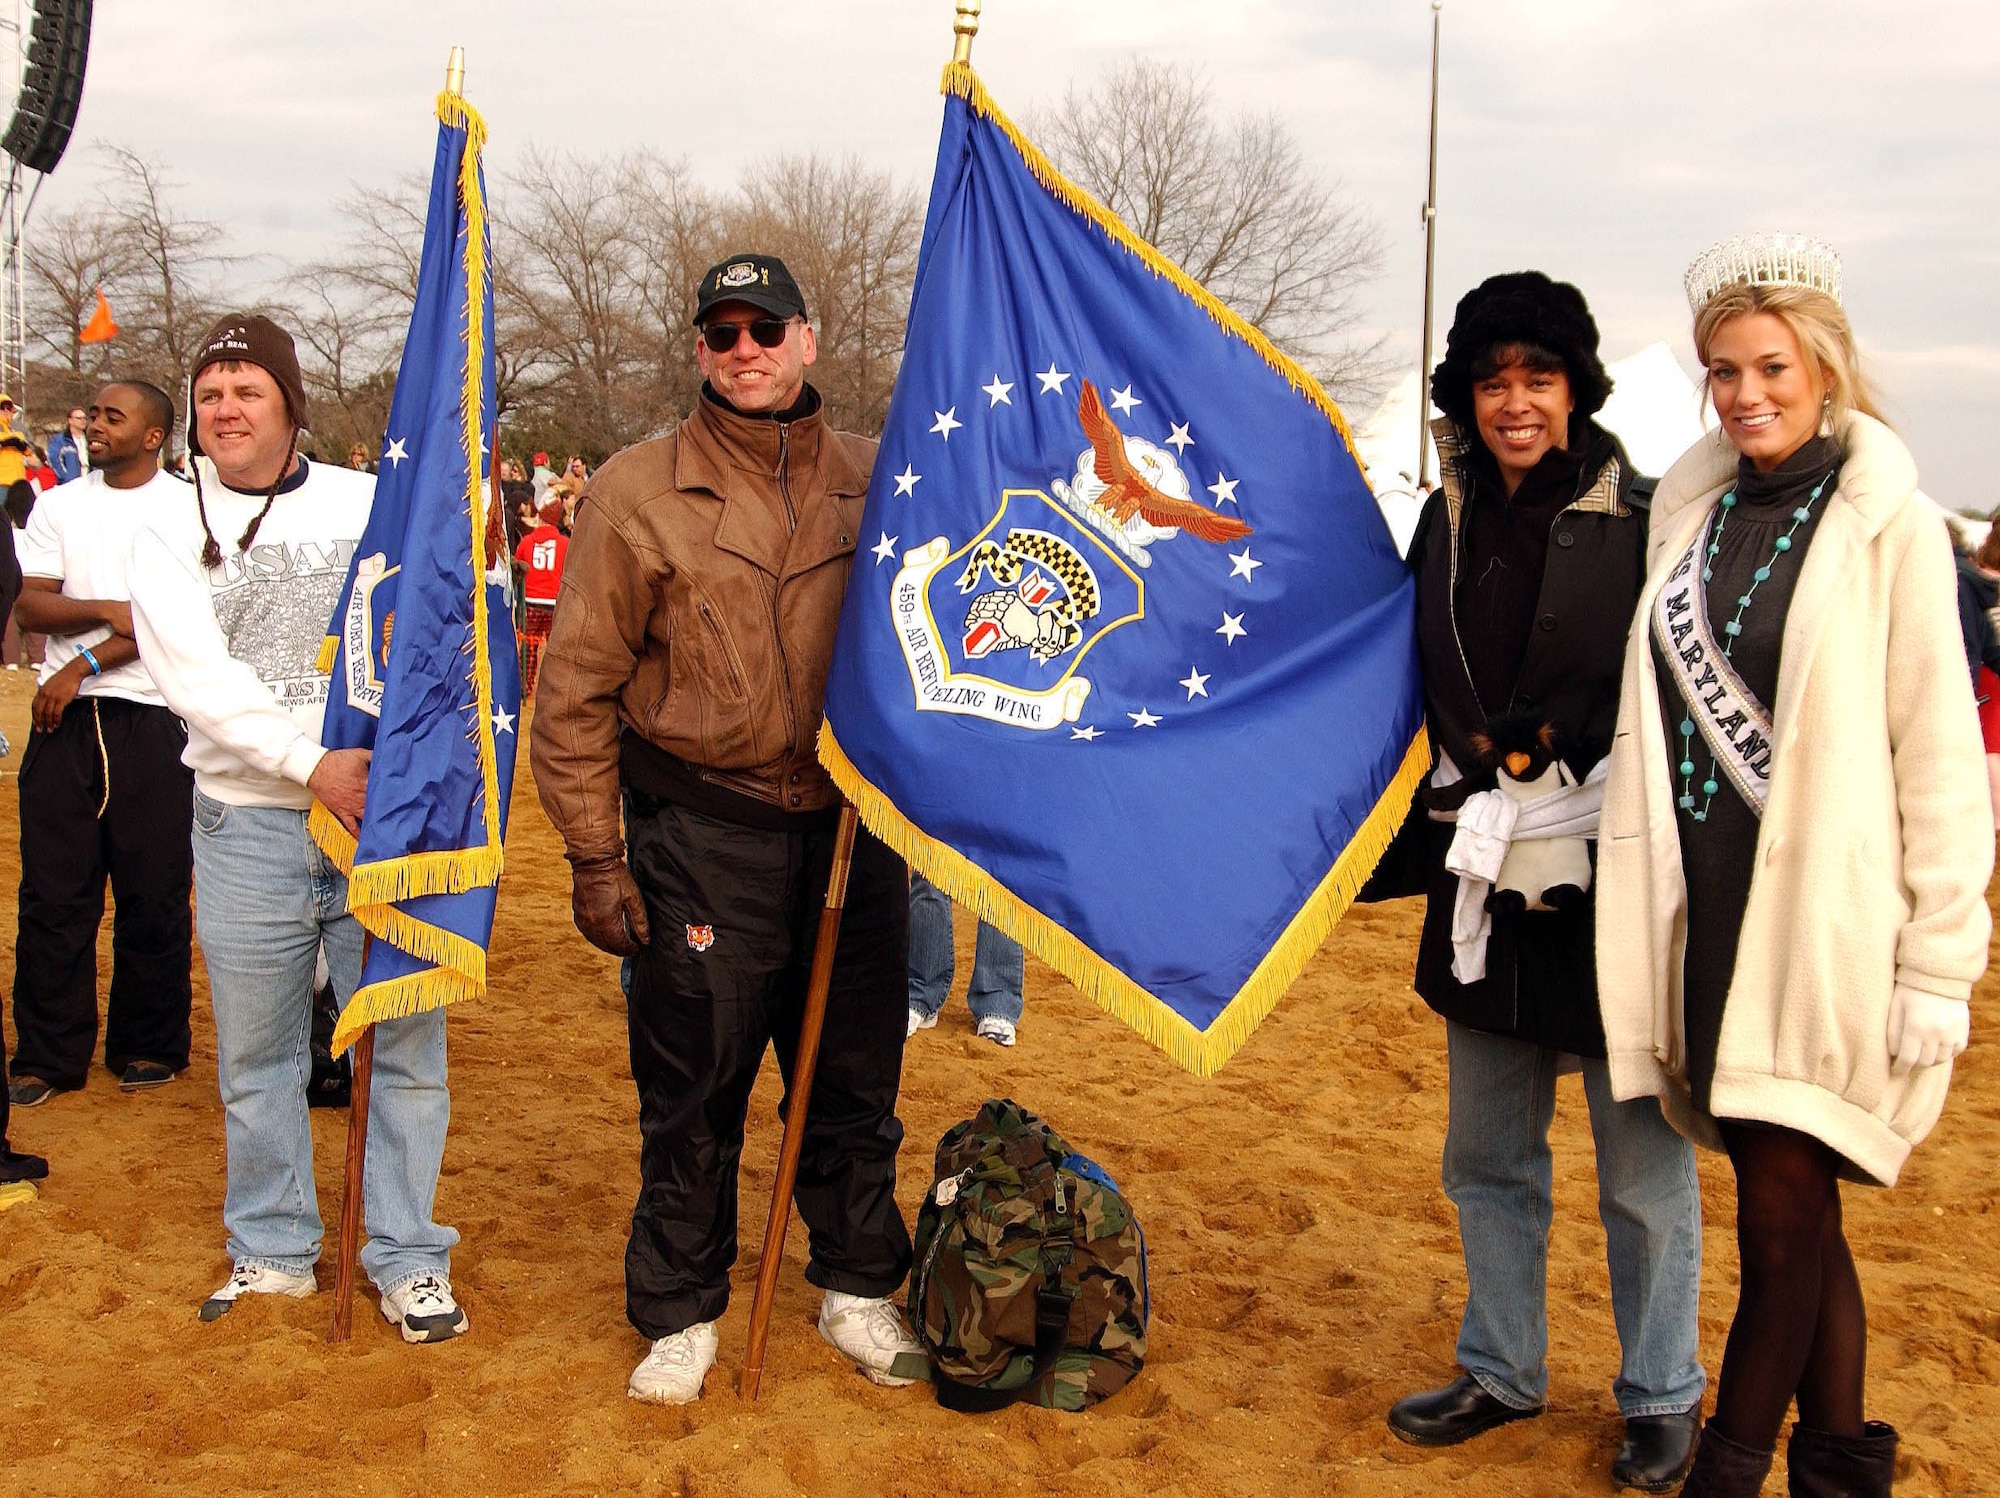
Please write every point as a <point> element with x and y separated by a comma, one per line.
<point>768,332</point>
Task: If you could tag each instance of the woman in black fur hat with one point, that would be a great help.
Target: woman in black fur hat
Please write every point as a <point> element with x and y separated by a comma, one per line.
<point>1528,562</point>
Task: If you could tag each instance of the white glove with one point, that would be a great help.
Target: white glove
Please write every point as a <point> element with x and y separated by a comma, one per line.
<point>1925,1029</point>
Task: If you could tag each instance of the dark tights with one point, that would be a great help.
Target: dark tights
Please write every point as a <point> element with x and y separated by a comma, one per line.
<point>1800,1327</point>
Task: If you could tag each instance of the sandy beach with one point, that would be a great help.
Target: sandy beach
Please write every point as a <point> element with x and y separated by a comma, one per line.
<point>1305,1268</point>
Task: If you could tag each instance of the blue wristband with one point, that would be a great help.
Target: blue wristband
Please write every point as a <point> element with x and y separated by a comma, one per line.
<point>95,669</point>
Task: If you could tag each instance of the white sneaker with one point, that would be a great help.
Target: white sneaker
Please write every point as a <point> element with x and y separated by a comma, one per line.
<point>256,1279</point>
<point>672,1372</point>
<point>424,1311</point>
<point>999,1031</point>
<point>872,1334</point>
<point>919,1021</point>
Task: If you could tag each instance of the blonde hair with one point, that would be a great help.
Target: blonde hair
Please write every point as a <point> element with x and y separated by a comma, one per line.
<point>1816,320</point>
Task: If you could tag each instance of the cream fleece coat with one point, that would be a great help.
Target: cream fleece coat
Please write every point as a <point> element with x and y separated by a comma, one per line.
<point>1875,848</point>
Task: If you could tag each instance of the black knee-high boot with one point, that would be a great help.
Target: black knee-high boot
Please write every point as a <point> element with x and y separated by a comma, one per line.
<point>1726,1469</point>
<point>1820,1464</point>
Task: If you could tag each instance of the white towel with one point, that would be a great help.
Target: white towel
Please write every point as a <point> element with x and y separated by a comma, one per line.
<point>1489,823</point>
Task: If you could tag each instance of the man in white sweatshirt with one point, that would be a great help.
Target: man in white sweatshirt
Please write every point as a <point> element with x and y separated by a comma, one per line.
<point>231,596</point>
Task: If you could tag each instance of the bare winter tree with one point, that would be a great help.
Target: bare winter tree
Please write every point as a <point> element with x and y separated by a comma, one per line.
<point>171,262</point>
<point>571,282</point>
<point>678,232</point>
<point>71,256</point>
<point>849,234</point>
<point>349,338</point>
<point>1234,203</point>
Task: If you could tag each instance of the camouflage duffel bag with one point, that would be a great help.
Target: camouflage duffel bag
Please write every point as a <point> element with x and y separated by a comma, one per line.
<point>1030,1274</point>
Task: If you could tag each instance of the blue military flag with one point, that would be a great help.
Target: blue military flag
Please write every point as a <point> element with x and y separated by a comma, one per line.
<point>1128,662</point>
<point>421,646</point>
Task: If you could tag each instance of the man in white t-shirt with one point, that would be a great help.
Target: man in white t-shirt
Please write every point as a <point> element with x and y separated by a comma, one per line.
<point>103,789</point>
<point>231,599</point>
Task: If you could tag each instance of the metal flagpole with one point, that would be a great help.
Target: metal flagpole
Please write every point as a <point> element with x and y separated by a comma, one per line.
<point>1430,271</point>
<point>364,1044</point>
<point>965,26</point>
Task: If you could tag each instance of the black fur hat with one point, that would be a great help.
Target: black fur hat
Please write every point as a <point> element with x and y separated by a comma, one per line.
<point>1520,307</point>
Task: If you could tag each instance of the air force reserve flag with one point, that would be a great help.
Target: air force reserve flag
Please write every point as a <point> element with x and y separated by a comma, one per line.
<point>421,646</point>
<point>1131,669</point>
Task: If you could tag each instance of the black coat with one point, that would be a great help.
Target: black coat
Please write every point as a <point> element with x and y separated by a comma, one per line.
<point>1541,976</point>
<point>1978,601</point>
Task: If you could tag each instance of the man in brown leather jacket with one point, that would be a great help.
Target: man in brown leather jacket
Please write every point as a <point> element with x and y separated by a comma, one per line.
<point>684,675</point>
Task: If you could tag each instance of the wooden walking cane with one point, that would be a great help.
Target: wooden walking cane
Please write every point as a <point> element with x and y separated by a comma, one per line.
<point>799,1101</point>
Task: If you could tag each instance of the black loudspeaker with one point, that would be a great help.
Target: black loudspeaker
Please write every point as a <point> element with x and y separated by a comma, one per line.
<point>45,114</point>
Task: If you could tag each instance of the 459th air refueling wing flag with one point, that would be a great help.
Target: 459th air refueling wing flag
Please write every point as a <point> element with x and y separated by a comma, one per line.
<point>421,646</point>
<point>1129,666</point>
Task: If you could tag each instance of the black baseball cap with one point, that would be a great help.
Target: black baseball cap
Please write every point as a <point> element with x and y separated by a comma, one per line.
<point>759,281</point>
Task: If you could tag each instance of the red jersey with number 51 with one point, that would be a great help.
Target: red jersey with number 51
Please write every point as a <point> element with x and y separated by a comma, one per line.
<point>542,551</point>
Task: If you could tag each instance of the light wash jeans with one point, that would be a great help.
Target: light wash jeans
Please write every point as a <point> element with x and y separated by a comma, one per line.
<point>1497,1172</point>
<point>265,898</point>
<point>997,963</point>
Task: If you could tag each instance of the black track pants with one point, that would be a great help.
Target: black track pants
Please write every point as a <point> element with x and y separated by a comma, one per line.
<point>734,912</point>
<point>142,843</point>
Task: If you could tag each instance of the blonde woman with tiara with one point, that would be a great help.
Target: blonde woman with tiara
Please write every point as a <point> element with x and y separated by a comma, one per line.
<point>1796,841</point>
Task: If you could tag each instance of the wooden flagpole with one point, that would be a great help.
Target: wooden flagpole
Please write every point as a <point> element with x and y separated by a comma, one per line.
<point>965,26</point>
<point>350,1195</point>
<point>364,1046</point>
<point>798,1101</point>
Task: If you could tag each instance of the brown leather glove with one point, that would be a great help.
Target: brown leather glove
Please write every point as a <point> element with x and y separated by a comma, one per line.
<point>608,908</point>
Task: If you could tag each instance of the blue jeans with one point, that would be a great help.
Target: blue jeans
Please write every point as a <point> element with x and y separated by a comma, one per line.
<point>996,960</point>
<point>265,899</point>
<point>1497,1172</point>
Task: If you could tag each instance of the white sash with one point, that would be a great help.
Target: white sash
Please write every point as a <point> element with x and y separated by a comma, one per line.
<point>1733,723</point>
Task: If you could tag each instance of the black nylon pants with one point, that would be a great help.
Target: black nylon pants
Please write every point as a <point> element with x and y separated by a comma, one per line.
<point>142,842</point>
<point>734,913</point>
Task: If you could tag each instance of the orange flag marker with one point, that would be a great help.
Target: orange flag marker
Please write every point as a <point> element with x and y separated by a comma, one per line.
<point>100,328</point>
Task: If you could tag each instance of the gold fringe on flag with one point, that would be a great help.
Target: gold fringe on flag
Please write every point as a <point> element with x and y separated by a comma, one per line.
<point>1202,1052</point>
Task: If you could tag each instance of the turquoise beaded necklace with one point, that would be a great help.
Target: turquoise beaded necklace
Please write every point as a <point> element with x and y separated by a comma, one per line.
<point>1731,631</point>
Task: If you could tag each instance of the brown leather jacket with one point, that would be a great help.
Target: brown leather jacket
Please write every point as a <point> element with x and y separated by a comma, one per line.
<point>698,608</point>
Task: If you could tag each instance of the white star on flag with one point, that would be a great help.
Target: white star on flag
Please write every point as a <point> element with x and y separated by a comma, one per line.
<point>1241,565</point>
<point>1143,718</point>
<point>947,422</point>
<point>1052,379</point>
<point>1196,684</point>
<point>885,549</point>
<point>1232,627</point>
<point>1224,489</point>
<point>503,721</point>
<point>1088,735</point>
<point>1178,439</point>
<point>909,478</point>
<point>1124,401</point>
<point>396,453</point>
<point>999,393</point>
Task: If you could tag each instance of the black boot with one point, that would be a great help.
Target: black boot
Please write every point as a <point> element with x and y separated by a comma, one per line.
<point>1820,1464</point>
<point>1725,1469</point>
<point>1459,1411</point>
<point>1658,1451</point>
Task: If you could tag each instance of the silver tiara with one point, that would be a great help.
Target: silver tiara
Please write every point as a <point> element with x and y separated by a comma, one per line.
<point>1763,260</point>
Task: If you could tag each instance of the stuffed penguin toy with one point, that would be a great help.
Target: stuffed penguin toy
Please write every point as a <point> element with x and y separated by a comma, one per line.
<point>1537,873</point>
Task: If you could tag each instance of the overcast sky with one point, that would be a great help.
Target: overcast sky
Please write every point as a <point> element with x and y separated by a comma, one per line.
<point>1604,141</point>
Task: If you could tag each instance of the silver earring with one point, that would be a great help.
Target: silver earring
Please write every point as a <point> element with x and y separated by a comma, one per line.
<point>1826,416</point>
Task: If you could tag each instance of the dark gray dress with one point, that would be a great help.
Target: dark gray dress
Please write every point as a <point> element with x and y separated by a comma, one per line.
<point>1718,856</point>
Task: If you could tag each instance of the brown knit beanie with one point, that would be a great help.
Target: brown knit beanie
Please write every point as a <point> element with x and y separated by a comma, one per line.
<point>248,338</point>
